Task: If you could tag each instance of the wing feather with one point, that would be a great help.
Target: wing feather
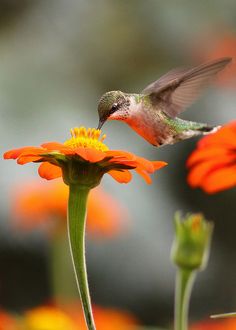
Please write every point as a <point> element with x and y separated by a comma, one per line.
<point>179,88</point>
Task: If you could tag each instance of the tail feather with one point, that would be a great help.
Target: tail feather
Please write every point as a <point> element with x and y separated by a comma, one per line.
<point>208,129</point>
<point>194,131</point>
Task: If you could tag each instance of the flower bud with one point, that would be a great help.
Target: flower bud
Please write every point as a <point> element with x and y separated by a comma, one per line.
<point>191,246</point>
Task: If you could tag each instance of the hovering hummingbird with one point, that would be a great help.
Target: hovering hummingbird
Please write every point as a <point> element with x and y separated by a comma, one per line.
<point>153,112</point>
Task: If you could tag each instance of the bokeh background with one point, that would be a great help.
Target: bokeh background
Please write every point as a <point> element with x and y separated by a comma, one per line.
<point>57,57</point>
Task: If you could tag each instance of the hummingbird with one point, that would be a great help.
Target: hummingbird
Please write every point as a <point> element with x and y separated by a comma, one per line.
<point>153,113</point>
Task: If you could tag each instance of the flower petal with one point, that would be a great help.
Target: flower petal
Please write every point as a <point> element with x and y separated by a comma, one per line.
<point>91,155</point>
<point>200,171</point>
<point>123,162</point>
<point>27,158</point>
<point>120,154</point>
<point>221,179</point>
<point>209,153</point>
<point>49,171</point>
<point>150,166</point>
<point>15,153</point>
<point>53,146</point>
<point>144,175</point>
<point>147,167</point>
<point>121,176</point>
<point>225,136</point>
<point>145,164</point>
<point>158,164</point>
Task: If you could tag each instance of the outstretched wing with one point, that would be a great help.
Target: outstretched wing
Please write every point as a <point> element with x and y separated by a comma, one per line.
<point>179,88</point>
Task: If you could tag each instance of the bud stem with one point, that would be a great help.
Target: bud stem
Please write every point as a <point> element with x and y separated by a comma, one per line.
<point>183,288</point>
<point>76,229</point>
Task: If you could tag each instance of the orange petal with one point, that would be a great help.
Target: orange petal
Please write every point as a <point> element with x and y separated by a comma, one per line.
<point>144,175</point>
<point>220,179</point>
<point>121,161</point>
<point>120,154</point>
<point>209,153</point>
<point>199,172</point>
<point>24,159</point>
<point>224,136</point>
<point>145,164</point>
<point>91,155</point>
<point>121,176</point>
<point>49,171</point>
<point>15,153</point>
<point>53,146</point>
<point>158,164</point>
<point>146,169</point>
<point>150,166</point>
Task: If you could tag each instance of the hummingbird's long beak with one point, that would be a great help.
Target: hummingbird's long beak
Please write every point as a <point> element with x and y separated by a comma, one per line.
<point>100,124</point>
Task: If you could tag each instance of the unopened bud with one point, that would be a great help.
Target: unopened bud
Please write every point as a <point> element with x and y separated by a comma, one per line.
<point>191,246</point>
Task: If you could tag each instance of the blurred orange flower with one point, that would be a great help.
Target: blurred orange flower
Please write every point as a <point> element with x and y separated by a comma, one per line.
<point>119,320</point>
<point>48,318</point>
<point>45,203</point>
<point>226,324</point>
<point>213,164</point>
<point>215,45</point>
<point>7,322</point>
<point>106,318</point>
<point>71,318</point>
<point>82,155</point>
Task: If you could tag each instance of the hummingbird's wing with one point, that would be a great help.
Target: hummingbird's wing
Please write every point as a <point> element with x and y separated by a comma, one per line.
<point>179,88</point>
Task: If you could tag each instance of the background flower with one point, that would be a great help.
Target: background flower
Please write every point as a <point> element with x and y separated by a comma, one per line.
<point>44,204</point>
<point>70,317</point>
<point>212,166</point>
<point>7,322</point>
<point>215,45</point>
<point>48,318</point>
<point>226,324</point>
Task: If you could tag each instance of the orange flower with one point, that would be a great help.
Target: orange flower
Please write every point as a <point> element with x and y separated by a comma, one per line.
<point>7,322</point>
<point>82,161</point>
<point>48,318</point>
<point>119,320</point>
<point>105,317</point>
<point>82,157</point>
<point>216,45</point>
<point>213,164</point>
<point>40,203</point>
<point>226,324</point>
<point>71,318</point>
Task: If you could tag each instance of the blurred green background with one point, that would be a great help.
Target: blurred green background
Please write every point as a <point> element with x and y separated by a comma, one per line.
<point>57,57</point>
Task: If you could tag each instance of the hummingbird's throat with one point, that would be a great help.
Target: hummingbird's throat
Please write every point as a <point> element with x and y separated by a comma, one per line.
<point>86,138</point>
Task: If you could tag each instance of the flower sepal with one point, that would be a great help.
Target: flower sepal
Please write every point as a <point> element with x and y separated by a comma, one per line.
<point>54,156</point>
<point>84,174</point>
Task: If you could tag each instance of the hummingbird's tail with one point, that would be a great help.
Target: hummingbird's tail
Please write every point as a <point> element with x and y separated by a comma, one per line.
<point>191,129</point>
<point>208,129</point>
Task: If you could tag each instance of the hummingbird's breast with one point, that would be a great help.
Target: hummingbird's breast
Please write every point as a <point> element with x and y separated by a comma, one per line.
<point>147,122</point>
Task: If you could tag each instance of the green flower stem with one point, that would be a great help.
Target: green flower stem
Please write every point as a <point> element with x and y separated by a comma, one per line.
<point>76,228</point>
<point>184,283</point>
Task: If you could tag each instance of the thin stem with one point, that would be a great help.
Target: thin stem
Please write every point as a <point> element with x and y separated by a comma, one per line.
<point>184,283</point>
<point>76,228</point>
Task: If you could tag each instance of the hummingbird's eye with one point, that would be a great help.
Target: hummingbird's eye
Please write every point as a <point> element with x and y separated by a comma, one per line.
<point>114,107</point>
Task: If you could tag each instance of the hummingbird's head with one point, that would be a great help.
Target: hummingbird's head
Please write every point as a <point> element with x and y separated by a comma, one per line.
<point>112,106</point>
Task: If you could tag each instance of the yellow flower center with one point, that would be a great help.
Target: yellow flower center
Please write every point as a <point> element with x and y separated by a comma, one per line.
<point>86,138</point>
